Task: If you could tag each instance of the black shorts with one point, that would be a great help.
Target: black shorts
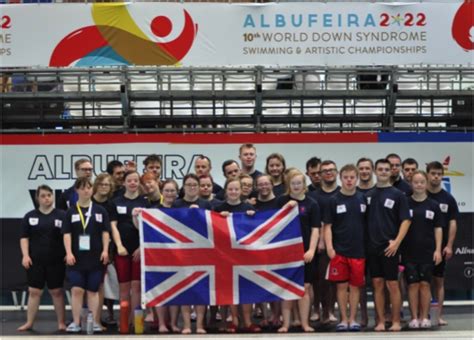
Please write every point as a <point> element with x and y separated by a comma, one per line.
<point>415,272</point>
<point>321,263</point>
<point>52,275</point>
<point>383,266</point>
<point>89,280</point>
<point>309,270</point>
<point>439,269</point>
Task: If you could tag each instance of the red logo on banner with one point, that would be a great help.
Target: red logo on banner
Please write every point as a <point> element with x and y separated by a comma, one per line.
<point>463,23</point>
<point>116,39</point>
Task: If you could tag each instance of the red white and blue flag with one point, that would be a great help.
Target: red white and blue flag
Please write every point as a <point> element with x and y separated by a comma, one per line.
<point>198,257</point>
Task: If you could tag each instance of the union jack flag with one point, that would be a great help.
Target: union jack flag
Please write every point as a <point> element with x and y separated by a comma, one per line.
<point>198,257</point>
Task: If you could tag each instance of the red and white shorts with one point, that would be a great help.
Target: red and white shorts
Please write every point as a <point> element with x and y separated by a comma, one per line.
<point>346,269</point>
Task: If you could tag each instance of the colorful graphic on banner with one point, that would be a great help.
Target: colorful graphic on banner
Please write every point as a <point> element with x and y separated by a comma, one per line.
<point>199,257</point>
<point>448,173</point>
<point>284,34</point>
<point>115,39</point>
<point>463,23</point>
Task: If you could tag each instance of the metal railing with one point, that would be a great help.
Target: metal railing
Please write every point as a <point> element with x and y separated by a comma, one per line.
<point>254,99</point>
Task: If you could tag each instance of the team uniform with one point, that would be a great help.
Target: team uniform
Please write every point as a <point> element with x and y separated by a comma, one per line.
<point>255,174</point>
<point>127,269</point>
<point>347,216</point>
<point>216,188</point>
<point>267,205</point>
<point>364,191</point>
<point>419,243</point>
<point>118,192</point>
<point>323,198</point>
<point>201,203</point>
<point>310,217</point>
<point>241,207</point>
<point>449,211</point>
<point>46,248</point>
<point>107,205</point>
<point>279,190</point>
<point>403,186</point>
<point>67,199</point>
<point>154,203</point>
<point>86,245</point>
<point>220,195</point>
<point>214,203</point>
<point>386,209</point>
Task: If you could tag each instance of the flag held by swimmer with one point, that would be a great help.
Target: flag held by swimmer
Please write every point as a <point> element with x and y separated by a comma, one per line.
<point>198,257</point>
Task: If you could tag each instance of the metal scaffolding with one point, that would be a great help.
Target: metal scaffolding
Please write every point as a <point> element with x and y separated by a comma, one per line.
<point>252,99</point>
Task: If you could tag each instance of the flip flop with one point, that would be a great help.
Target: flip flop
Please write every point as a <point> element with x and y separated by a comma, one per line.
<point>354,327</point>
<point>342,327</point>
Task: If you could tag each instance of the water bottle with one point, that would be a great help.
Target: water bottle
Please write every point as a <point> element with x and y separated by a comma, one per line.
<point>84,313</point>
<point>139,321</point>
<point>90,324</point>
<point>434,309</point>
<point>124,313</point>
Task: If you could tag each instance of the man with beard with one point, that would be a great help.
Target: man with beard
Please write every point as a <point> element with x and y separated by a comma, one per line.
<point>366,172</point>
<point>312,171</point>
<point>83,168</point>
<point>116,169</point>
<point>366,183</point>
<point>395,178</point>
<point>409,166</point>
<point>324,290</point>
<point>203,167</point>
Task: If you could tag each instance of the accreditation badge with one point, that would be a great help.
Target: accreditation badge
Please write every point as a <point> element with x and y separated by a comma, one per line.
<point>84,242</point>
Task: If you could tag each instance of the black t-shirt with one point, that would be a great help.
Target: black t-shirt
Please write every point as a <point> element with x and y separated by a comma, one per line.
<point>215,202</point>
<point>154,204</point>
<point>267,205</point>
<point>419,243</point>
<point>241,207</point>
<point>118,192</point>
<point>107,205</point>
<point>216,188</point>
<point>311,187</point>
<point>387,208</point>
<point>364,191</point>
<point>44,234</point>
<point>220,195</point>
<point>255,174</point>
<point>279,190</point>
<point>347,214</point>
<point>449,210</point>
<point>403,186</point>
<point>309,214</point>
<point>201,203</point>
<point>123,208</point>
<point>98,223</point>
<point>67,199</point>
<point>323,198</point>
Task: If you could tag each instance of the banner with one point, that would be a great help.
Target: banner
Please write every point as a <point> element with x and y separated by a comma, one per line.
<point>31,160</point>
<point>198,257</point>
<point>211,34</point>
<point>461,265</point>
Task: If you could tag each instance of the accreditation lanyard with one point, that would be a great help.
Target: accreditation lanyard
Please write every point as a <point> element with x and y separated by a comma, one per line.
<point>88,214</point>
